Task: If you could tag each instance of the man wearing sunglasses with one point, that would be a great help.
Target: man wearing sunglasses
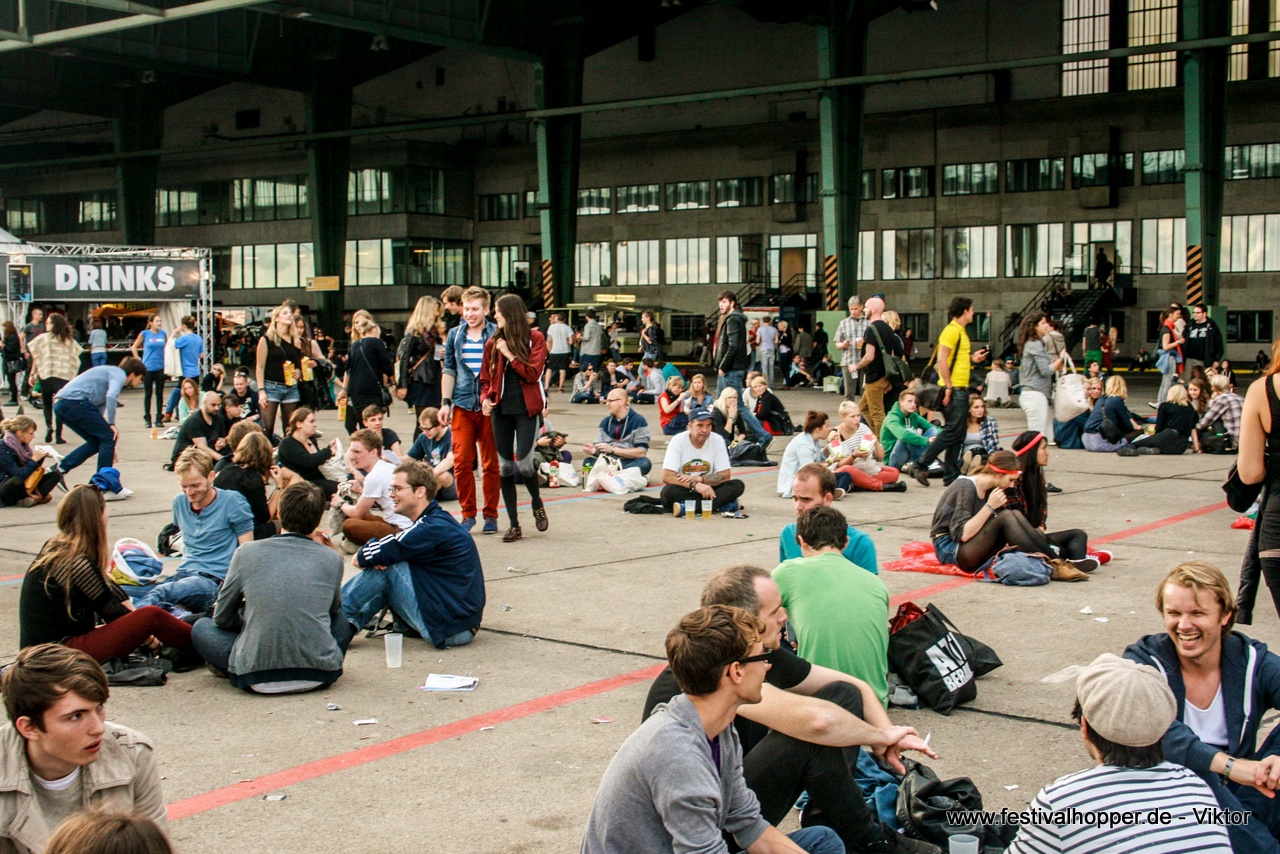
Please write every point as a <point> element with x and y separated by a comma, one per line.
<point>677,782</point>
<point>806,732</point>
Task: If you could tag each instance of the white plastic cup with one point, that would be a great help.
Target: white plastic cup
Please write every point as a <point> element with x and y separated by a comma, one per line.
<point>963,843</point>
<point>395,650</point>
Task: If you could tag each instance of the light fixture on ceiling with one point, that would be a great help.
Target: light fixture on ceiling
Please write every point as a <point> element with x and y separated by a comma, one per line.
<point>379,43</point>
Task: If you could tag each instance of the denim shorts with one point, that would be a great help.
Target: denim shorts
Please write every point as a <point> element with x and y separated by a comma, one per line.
<point>945,549</point>
<point>281,393</point>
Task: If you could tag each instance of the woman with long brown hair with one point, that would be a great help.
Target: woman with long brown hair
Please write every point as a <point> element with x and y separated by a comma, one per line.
<point>13,362</point>
<point>511,394</point>
<point>418,359</point>
<point>69,587</point>
<point>279,368</point>
<point>55,360</point>
<point>252,467</point>
<point>1037,371</point>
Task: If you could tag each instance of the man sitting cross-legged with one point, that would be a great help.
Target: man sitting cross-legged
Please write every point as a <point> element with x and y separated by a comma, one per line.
<point>278,626</point>
<point>696,467</point>
<point>623,434</point>
<point>676,784</point>
<point>61,755</point>
<point>213,522</point>
<point>840,613</point>
<point>373,486</point>
<point>429,573</point>
<point>805,733</point>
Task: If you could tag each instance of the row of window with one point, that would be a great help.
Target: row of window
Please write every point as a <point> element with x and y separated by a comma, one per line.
<point>368,262</point>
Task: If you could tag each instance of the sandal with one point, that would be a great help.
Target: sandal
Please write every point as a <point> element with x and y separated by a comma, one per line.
<point>512,534</point>
<point>540,518</point>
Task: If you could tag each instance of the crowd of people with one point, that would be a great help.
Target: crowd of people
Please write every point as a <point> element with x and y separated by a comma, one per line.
<point>774,685</point>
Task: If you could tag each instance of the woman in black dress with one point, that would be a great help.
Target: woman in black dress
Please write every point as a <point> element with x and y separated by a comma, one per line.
<point>369,369</point>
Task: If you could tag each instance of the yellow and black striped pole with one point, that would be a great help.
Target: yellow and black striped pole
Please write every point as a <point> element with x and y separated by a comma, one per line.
<point>548,285</point>
<point>831,276</point>
<point>1195,274</point>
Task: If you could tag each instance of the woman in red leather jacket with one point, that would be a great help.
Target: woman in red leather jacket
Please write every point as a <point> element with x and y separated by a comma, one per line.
<point>511,394</point>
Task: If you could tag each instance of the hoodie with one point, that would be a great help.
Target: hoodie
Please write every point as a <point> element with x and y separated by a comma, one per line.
<point>731,343</point>
<point>1250,687</point>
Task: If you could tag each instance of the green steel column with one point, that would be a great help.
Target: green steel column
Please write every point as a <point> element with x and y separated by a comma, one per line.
<point>1204,100</point>
<point>138,127</point>
<point>558,83</point>
<point>328,108</point>
<point>841,52</point>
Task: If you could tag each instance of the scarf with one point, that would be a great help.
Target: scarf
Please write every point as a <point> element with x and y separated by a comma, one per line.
<point>22,450</point>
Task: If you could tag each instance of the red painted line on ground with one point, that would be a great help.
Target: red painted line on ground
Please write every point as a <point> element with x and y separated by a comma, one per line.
<point>11,577</point>
<point>374,752</point>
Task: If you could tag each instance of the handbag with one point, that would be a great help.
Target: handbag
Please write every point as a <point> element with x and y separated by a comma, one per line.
<point>384,392</point>
<point>939,662</point>
<point>1069,399</point>
<point>926,805</point>
<point>896,369</point>
<point>1018,569</point>
<point>1109,429</point>
<point>1240,495</point>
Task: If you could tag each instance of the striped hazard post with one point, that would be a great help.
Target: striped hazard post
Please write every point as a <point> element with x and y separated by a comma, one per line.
<point>548,285</point>
<point>1195,274</point>
<point>831,275</point>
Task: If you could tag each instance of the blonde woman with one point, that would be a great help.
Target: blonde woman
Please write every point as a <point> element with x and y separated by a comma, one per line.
<point>1175,422</point>
<point>699,397</point>
<point>418,358</point>
<point>18,461</point>
<point>369,369</point>
<point>279,368</point>
<point>55,360</point>
<point>1112,425</point>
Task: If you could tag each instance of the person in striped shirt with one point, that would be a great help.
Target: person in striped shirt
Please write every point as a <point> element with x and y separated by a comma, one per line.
<point>1132,798</point>
<point>460,408</point>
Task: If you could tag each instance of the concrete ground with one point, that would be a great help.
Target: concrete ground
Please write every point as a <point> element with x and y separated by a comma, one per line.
<point>573,631</point>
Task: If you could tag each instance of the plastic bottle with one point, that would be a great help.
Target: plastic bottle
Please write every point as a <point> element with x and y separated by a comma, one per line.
<point>553,478</point>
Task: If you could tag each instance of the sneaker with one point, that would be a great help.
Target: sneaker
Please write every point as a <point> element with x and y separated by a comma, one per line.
<point>840,493</point>
<point>1127,451</point>
<point>1153,405</point>
<point>468,522</point>
<point>731,507</point>
<point>1049,487</point>
<point>897,486</point>
<point>490,525</point>
<point>1086,564</point>
<point>919,472</point>
<point>1102,556</point>
<point>513,533</point>
<point>1146,451</point>
<point>903,697</point>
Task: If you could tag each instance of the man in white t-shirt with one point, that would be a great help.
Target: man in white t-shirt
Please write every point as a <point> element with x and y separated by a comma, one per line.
<point>363,524</point>
<point>696,467</point>
<point>559,350</point>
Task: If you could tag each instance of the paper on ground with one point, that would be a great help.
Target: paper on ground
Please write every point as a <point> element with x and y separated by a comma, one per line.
<point>445,682</point>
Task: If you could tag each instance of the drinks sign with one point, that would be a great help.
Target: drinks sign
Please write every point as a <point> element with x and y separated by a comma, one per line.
<point>85,279</point>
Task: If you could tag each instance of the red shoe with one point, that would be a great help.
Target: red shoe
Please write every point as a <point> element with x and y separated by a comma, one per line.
<point>1102,556</point>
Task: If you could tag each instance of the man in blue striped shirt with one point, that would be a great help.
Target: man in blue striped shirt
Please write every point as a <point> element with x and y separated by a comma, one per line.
<point>460,390</point>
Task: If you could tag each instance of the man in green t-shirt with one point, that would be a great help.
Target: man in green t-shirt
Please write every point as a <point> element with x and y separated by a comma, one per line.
<point>953,362</point>
<point>839,611</point>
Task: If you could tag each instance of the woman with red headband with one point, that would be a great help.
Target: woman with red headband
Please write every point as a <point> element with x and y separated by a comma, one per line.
<point>973,523</point>
<point>1030,497</point>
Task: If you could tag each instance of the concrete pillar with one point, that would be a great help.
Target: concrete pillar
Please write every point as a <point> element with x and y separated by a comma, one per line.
<point>1204,99</point>
<point>138,127</point>
<point>328,108</point>
<point>558,83</point>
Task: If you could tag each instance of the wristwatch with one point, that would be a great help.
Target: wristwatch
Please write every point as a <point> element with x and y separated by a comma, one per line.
<point>448,401</point>
<point>1226,772</point>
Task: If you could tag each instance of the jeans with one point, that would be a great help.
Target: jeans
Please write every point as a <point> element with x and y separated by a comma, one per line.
<point>214,644</point>
<point>593,361</point>
<point>643,463</point>
<point>818,840</point>
<point>756,433</point>
<point>1259,835</point>
<point>87,422</point>
<point>726,493</point>
<point>189,590</point>
<point>852,383</point>
<point>374,589</point>
<point>585,397</point>
<point>768,358</point>
<point>951,439</point>
<point>872,404</point>
<point>97,360</point>
<point>153,384</point>
<point>901,453</point>
<point>1166,381</point>
<point>49,388</point>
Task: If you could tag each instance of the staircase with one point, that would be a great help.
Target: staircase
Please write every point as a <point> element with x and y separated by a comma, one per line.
<point>1072,309</point>
<point>757,290</point>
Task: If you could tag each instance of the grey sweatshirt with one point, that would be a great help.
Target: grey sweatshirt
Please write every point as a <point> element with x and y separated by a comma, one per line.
<point>662,791</point>
<point>289,588</point>
<point>1036,372</point>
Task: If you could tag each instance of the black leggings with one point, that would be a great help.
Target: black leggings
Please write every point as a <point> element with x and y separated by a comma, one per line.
<point>1168,440</point>
<point>1269,542</point>
<point>515,438</point>
<point>1006,528</point>
<point>154,381</point>
<point>14,489</point>
<point>1073,544</point>
<point>49,387</point>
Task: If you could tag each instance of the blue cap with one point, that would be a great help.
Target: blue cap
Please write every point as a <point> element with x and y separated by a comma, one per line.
<point>700,414</point>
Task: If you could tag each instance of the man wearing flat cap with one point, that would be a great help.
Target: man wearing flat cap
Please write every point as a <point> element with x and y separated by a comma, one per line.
<point>1132,798</point>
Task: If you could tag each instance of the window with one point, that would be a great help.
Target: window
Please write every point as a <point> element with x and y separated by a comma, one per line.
<point>686,327</point>
<point>783,188</point>
<point>369,192</point>
<point>971,179</point>
<point>794,252</point>
<point>1153,325</point>
<point>425,190</point>
<point>1251,244</point>
<point>1153,22</point>
<point>918,323</point>
<point>1253,161</point>
<point>969,253</point>
<point>689,261</point>
<point>638,198</point>
<point>593,265</point>
<point>908,253</point>
<point>177,206</point>
<point>1086,26</point>
<point>1088,237</point>
<point>638,262</point>
<point>253,200</point>
<point>287,265</point>
<point>531,203</point>
<point>1164,245</point>
<point>868,184</point>
<point>1273,65</point>
<point>1249,327</point>
<point>1102,170</point>
<point>95,211</point>
<point>497,268</point>
<point>594,201</point>
<point>912,182</point>
<point>728,260</point>
<point>369,262</point>
<point>1026,176</point>
<point>1238,64</point>
<point>739,192</point>
<point>436,262</point>
<point>24,216</point>
<point>688,195</point>
<point>1033,250</point>
<point>866,256</point>
<point>499,206</point>
<point>1163,167</point>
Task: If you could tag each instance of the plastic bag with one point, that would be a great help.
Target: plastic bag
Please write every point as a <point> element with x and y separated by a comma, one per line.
<point>604,465</point>
<point>334,468</point>
<point>145,567</point>
<point>920,557</point>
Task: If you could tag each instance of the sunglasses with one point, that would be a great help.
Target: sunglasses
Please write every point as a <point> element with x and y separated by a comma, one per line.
<point>764,656</point>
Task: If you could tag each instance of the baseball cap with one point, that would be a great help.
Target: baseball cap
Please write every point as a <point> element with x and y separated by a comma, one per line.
<point>702,413</point>
<point>1126,702</point>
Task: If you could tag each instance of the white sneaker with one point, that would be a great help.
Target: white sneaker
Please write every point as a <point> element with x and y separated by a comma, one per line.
<point>840,493</point>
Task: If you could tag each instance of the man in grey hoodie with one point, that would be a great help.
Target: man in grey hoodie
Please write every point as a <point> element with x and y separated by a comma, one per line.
<point>676,783</point>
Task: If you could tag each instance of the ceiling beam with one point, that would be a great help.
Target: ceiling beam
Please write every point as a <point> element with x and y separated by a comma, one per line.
<point>178,13</point>
<point>126,6</point>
